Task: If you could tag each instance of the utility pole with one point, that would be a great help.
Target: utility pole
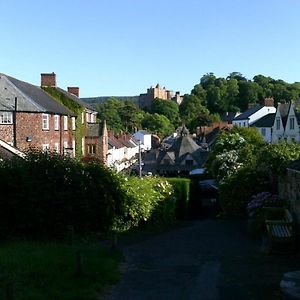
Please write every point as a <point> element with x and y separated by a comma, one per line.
<point>15,122</point>
<point>140,160</point>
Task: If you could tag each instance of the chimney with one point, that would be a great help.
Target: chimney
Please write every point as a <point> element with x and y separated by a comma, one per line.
<point>269,102</point>
<point>74,90</point>
<point>48,79</point>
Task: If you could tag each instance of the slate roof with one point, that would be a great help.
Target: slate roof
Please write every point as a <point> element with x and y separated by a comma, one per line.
<point>7,151</point>
<point>228,117</point>
<point>265,121</point>
<point>30,98</point>
<point>183,146</point>
<point>245,115</point>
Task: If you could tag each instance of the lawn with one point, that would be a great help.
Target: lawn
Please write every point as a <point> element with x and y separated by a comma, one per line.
<point>50,270</point>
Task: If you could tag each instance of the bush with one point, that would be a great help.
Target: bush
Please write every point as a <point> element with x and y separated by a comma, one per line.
<point>146,198</point>
<point>47,194</point>
<point>181,188</point>
<point>236,190</point>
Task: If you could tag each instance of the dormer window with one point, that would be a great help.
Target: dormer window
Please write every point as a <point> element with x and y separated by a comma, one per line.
<point>278,124</point>
<point>292,123</point>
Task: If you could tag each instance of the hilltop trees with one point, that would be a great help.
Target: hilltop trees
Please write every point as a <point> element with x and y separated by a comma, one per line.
<point>208,99</point>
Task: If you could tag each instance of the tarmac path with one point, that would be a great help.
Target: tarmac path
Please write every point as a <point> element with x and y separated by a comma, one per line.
<point>202,259</point>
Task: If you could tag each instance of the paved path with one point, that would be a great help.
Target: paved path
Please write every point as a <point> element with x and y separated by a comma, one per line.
<point>205,260</point>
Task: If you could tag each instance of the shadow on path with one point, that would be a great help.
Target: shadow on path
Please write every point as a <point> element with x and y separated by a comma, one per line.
<point>203,259</point>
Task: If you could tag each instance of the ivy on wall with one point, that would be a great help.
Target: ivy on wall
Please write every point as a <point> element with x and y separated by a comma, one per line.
<point>81,129</point>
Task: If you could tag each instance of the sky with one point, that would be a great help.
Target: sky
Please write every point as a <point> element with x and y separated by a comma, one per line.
<point>122,47</point>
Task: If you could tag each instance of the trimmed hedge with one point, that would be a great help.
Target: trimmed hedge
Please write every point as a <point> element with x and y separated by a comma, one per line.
<point>50,196</point>
<point>181,188</point>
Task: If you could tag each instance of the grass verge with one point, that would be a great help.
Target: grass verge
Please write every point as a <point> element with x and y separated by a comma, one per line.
<point>50,270</point>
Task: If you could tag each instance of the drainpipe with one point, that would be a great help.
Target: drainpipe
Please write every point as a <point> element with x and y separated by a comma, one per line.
<point>14,122</point>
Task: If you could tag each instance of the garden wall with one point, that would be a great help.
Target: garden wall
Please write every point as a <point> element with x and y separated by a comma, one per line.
<point>289,189</point>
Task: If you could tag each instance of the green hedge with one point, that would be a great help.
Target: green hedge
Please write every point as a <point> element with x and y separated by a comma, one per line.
<point>49,196</point>
<point>181,188</point>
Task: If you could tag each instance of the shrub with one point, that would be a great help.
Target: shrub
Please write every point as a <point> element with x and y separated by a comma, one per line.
<point>181,188</point>
<point>145,198</point>
<point>237,189</point>
<point>47,194</point>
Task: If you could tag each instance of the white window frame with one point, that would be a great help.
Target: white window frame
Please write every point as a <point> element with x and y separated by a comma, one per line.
<point>87,115</point>
<point>74,147</point>
<point>73,123</point>
<point>65,122</point>
<point>82,118</point>
<point>56,147</point>
<point>45,122</point>
<point>56,122</point>
<point>6,117</point>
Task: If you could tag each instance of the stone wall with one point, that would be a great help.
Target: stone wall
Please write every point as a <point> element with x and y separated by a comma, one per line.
<point>289,189</point>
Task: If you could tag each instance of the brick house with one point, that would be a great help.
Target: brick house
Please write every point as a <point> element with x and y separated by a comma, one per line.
<point>88,137</point>
<point>30,118</point>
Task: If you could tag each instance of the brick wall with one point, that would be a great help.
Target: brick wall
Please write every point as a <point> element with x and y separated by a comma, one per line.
<point>29,126</point>
<point>6,133</point>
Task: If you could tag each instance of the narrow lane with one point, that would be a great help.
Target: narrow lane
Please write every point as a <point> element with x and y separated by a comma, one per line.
<point>203,259</point>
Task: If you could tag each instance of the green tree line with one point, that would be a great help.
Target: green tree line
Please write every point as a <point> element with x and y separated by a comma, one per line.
<point>207,101</point>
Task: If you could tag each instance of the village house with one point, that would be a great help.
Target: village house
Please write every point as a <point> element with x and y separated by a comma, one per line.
<point>30,118</point>
<point>87,138</point>
<point>247,118</point>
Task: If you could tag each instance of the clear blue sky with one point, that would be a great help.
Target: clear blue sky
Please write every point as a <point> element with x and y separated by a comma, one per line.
<point>122,47</point>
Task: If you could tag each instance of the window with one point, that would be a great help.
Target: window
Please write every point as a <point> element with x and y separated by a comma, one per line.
<point>263,131</point>
<point>73,123</point>
<point>87,117</point>
<point>189,162</point>
<point>65,122</point>
<point>45,125</point>
<point>56,147</point>
<point>82,118</point>
<point>278,124</point>
<point>292,123</point>
<point>91,149</point>
<point>45,148</point>
<point>65,144</point>
<point>244,124</point>
<point>93,118</point>
<point>56,122</point>
<point>6,117</point>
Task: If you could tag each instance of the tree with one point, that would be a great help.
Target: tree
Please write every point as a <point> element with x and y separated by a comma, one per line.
<point>131,116</point>
<point>167,108</point>
<point>233,150</point>
<point>158,124</point>
<point>190,108</point>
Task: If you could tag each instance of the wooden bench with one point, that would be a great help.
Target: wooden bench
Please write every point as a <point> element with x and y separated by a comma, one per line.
<point>281,233</point>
